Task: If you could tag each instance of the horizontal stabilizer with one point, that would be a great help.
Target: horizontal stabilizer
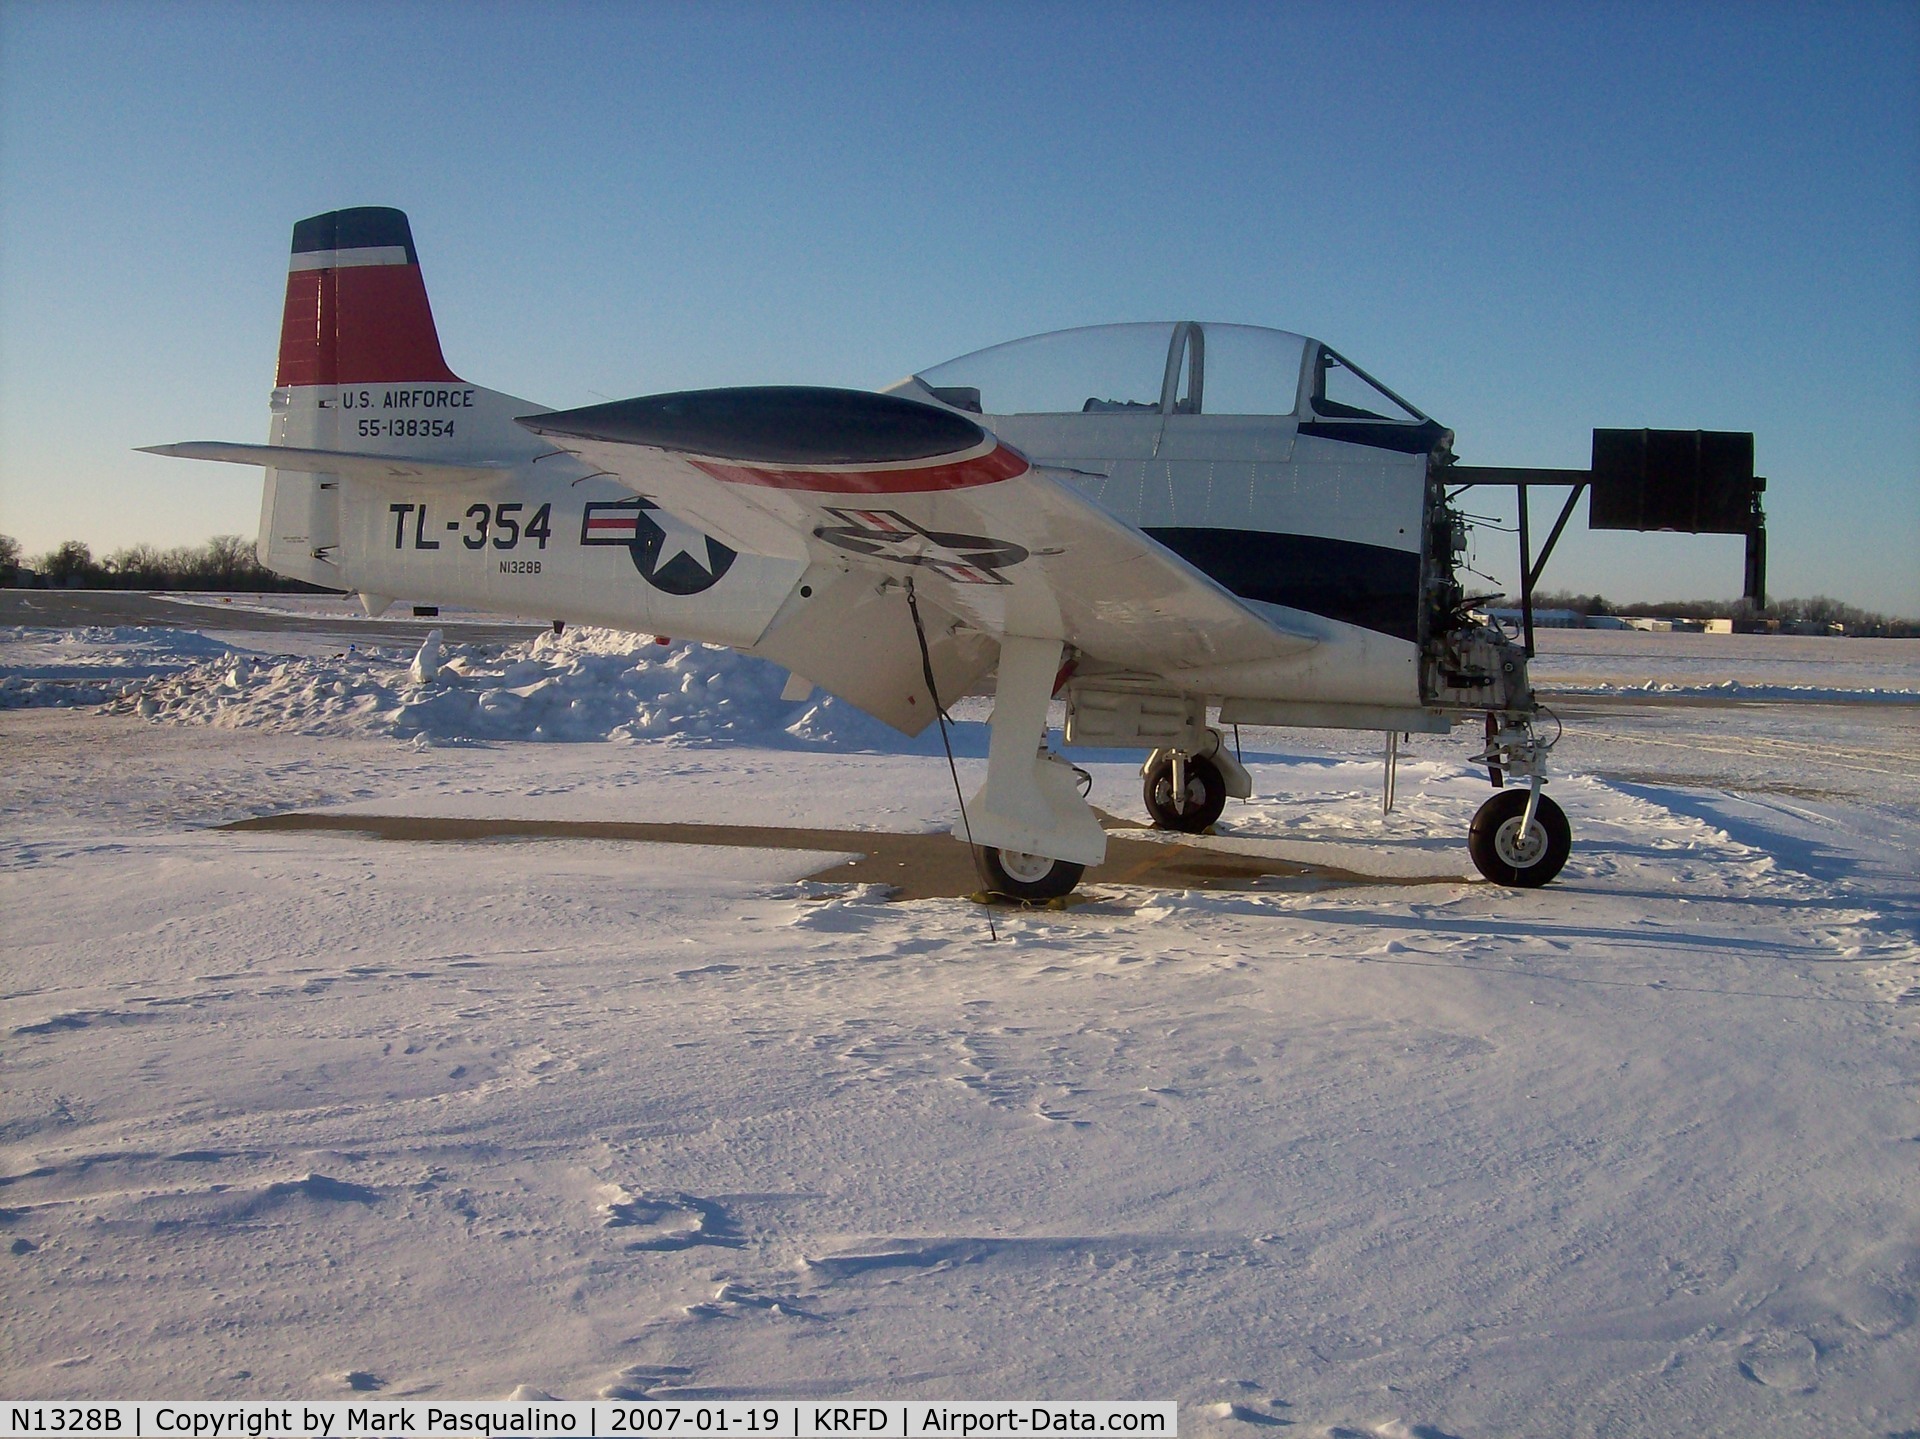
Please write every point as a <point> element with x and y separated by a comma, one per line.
<point>354,464</point>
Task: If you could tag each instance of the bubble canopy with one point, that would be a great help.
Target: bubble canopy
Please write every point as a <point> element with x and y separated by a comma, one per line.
<point>1169,367</point>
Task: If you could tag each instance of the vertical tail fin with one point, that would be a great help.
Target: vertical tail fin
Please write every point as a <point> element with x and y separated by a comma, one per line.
<point>361,370</point>
<point>357,310</point>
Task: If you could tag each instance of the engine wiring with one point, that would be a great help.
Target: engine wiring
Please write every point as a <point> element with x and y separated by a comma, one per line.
<point>1559,729</point>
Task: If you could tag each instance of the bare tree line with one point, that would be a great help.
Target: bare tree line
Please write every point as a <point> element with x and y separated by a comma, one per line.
<point>225,562</point>
<point>1819,612</point>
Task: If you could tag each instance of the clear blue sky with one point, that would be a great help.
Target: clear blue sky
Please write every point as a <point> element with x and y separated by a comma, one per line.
<point>1529,219</point>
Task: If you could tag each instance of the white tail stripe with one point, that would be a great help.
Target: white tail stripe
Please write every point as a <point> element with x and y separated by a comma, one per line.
<point>341,259</point>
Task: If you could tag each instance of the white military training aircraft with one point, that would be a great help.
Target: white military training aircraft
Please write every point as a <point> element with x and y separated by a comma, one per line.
<point>1158,522</point>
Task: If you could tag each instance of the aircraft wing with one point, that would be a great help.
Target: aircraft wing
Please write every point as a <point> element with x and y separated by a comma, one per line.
<point>872,483</point>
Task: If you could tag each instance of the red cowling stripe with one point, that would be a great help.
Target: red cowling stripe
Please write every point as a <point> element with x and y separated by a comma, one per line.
<point>362,325</point>
<point>1000,463</point>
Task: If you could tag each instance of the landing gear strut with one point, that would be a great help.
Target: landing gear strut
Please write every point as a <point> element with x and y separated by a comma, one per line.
<point>1032,829</point>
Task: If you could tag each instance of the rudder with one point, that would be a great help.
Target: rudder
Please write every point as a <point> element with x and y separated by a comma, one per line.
<point>356,310</point>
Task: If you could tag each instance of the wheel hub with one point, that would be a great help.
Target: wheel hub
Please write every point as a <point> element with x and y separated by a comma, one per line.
<point>1027,868</point>
<point>1195,796</point>
<point>1520,851</point>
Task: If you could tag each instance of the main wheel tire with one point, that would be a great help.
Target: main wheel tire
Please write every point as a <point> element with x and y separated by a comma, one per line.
<point>1504,855</point>
<point>1206,794</point>
<point>1032,878</point>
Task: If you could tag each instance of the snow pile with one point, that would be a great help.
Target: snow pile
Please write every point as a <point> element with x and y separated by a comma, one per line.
<point>584,685</point>
<point>40,667</point>
<point>425,668</point>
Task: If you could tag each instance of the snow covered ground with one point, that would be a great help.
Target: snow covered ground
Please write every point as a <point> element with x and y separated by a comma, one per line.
<point>316,1114</point>
<point>1799,667</point>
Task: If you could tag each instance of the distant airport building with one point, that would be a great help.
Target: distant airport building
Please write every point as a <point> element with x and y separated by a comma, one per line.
<point>1544,619</point>
<point>1575,620</point>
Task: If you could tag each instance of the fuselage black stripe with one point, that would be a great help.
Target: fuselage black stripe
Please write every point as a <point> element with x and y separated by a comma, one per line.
<point>1372,586</point>
<point>1378,435</point>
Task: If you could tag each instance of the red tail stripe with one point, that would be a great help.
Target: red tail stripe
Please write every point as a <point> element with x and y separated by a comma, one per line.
<point>363,325</point>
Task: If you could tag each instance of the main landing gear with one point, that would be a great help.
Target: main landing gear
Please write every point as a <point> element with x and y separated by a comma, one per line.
<point>1031,878</point>
<point>1519,837</point>
<point>1034,833</point>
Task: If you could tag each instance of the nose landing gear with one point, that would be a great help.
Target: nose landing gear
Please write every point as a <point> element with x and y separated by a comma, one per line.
<point>1519,837</point>
<point>1509,850</point>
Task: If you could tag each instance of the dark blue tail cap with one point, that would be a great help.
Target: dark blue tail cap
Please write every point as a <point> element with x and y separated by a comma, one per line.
<point>365,228</point>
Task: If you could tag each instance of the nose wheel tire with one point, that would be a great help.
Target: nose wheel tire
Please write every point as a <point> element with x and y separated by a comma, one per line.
<point>1030,877</point>
<point>1206,795</point>
<point>1505,855</point>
